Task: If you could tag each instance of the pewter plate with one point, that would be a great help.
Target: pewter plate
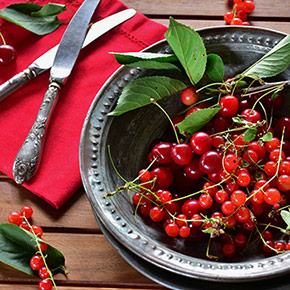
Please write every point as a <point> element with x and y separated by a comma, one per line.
<point>178,282</point>
<point>129,137</point>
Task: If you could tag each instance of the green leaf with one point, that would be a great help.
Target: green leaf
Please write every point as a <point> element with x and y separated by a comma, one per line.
<point>239,120</point>
<point>130,57</point>
<point>49,9</point>
<point>207,231</point>
<point>286,217</point>
<point>274,95</point>
<point>155,65</point>
<point>241,84</point>
<point>189,48</point>
<point>267,137</point>
<point>272,63</point>
<point>215,68</point>
<point>139,92</point>
<point>250,135</point>
<point>17,248</point>
<point>33,17</point>
<point>197,120</point>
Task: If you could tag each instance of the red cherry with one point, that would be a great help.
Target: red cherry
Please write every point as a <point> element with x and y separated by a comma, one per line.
<point>190,207</point>
<point>26,211</point>
<point>45,285</point>
<point>228,17</point>
<point>184,231</point>
<point>164,177</point>
<point>283,122</point>
<point>181,154</point>
<point>162,151</point>
<point>172,230</point>
<point>210,162</point>
<point>229,250</point>
<point>36,262</point>
<point>272,196</point>
<point>157,214</point>
<point>229,106</point>
<point>14,218</point>
<point>252,116</point>
<point>43,273</point>
<point>236,21</point>
<point>37,230</point>
<point>189,96</point>
<point>192,170</point>
<point>201,142</point>
<point>144,175</point>
<point>7,55</point>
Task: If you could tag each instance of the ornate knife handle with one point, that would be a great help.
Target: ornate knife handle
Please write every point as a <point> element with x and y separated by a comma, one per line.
<point>29,155</point>
<point>16,82</point>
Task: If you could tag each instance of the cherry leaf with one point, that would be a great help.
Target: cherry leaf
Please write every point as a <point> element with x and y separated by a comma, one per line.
<point>273,62</point>
<point>215,67</point>
<point>197,120</point>
<point>189,48</point>
<point>250,135</point>
<point>35,18</point>
<point>286,217</point>
<point>17,248</point>
<point>267,137</point>
<point>149,64</point>
<point>131,57</point>
<point>139,92</point>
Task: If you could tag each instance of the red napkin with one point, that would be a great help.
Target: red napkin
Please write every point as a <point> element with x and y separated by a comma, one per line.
<point>58,176</point>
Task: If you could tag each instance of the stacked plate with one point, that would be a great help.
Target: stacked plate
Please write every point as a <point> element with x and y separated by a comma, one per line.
<point>171,262</point>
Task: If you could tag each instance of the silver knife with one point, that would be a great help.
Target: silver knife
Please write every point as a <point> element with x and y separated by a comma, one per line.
<point>45,61</point>
<point>28,157</point>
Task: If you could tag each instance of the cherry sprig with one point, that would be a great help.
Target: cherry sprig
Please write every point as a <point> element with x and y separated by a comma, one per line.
<point>38,261</point>
<point>239,13</point>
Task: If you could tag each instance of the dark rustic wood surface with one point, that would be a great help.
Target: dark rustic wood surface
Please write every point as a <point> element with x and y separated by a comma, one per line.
<point>93,262</point>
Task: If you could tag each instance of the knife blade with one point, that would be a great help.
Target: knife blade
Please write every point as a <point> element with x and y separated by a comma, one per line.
<point>28,156</point>
<point>45,61</point>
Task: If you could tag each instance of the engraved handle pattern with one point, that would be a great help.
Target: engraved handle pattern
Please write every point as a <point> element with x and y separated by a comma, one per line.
<point>16,82</point>
<point>29,155</point>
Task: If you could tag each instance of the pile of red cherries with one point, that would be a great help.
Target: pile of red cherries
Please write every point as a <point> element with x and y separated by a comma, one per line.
<point>214,184</point>
<point>239,13</point>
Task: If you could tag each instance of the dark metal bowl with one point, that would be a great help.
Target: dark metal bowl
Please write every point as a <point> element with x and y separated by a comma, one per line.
<point>130,136</point>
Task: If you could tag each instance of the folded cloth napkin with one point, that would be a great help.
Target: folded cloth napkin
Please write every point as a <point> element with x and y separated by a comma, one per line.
<point>58,176</point>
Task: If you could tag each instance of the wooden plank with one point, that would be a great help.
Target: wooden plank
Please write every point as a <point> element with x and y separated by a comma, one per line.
<point>209,8</point>
<point>195,24</point>
<point>34,287</point>
<point>76,213</point>
<point>91,260</point>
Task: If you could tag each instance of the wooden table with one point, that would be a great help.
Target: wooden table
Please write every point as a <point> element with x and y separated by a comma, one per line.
<point>93,262</point>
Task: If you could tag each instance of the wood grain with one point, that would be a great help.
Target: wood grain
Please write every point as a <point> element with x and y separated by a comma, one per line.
<point>90,259</point>
<point>75,214</point>
<point>34,287</point>
<point>209,8</point>
<point>195,24</point>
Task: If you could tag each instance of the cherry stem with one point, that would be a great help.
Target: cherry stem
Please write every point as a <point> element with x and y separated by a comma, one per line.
<point>272,90</point>
<point>36,239</point>
<point>153,101</point>
<point>265,87</point>
<point>2,37</point>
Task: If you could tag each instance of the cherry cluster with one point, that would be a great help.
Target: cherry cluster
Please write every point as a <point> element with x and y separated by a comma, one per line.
<point>219,184</point>
<point>37,263</point>
<point>239,13</point>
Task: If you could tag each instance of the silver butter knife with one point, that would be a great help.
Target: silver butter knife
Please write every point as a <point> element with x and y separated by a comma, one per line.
<point>45,61</point>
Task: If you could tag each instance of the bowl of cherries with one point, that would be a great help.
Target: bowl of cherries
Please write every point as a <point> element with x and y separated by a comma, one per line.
<point>187,164</point>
